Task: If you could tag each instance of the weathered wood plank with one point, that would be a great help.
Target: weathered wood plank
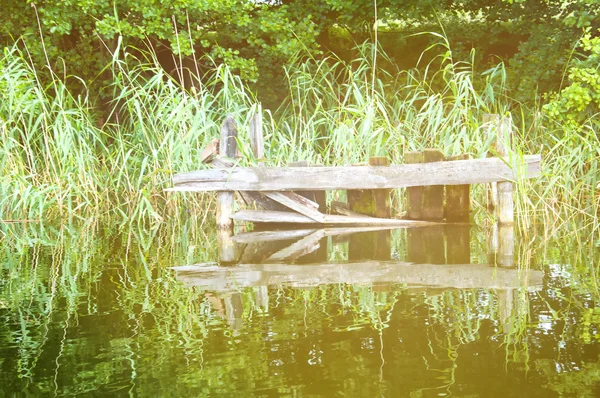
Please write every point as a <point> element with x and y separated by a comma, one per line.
<point>210,152</point>
<point>298,203</point>
<point>413,275</point>
<point>316,196</point>
<point>433,195</point>
<point>330,219</point>
<point>363,177</point>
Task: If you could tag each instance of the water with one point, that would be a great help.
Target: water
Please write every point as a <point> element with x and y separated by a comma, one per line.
<point>97,311</point>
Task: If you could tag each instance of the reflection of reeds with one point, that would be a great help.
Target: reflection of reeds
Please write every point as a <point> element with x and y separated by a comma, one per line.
<point>53,280</point>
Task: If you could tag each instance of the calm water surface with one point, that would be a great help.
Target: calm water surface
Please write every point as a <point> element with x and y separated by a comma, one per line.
<point>96,311</point>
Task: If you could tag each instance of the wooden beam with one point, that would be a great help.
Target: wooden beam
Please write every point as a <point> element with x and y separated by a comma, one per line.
<point>362,177</point>
<point>259,216</point>
<point>298,203</point>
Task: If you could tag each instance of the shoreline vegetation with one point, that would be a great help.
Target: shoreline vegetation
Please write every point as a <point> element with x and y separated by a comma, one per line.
<point>63,157</point>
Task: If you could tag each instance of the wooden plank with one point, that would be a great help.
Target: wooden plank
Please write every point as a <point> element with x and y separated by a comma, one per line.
<point>461,276</point>
<point>210,152</point>
<point>457,198</point>
<point>250,198</point>
<point>304,246</point>
<point>297,203</point>
<point>433,195</point>
<point>414,194</point>
<point>331,178</point>
<point>316,196</point>
<point>226,200</point>
<point>263,216</point>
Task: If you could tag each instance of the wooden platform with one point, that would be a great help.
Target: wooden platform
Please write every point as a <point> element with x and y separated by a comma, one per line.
<point>264,179</point>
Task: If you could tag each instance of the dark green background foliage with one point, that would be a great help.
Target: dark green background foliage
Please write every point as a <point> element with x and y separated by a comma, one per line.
<point>258,38</point>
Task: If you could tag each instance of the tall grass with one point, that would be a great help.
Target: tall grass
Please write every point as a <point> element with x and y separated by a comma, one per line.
<point>57,161</point>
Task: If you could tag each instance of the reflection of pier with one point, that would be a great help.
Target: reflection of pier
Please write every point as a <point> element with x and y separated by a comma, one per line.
<point>461,276</point>
<point>435,256</point>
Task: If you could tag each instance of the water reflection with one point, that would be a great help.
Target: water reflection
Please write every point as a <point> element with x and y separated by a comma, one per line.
<point>96,311</point>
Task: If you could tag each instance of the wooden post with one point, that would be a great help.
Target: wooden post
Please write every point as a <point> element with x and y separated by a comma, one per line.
<point>371,202</point>
<point>433,196</point>
<point>381,197</point>
<point>414,194</point>
<point>227,148</point>
<point>506,205</point>
<point>457,198</point>
<point>257,142</point>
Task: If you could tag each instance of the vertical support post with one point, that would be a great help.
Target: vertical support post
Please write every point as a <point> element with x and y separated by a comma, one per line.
<point>457,198</point>
<point>414,194</point>
<point>506,205</point>
<point>381,197</point>
<point>227,148</point>
<point>433,196</point>
<point>371,202</point>
<point>225,200</point>
<point>257,142</point>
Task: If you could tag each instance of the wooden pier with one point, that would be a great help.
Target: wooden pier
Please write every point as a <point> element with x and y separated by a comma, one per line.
<point>437,186</point>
